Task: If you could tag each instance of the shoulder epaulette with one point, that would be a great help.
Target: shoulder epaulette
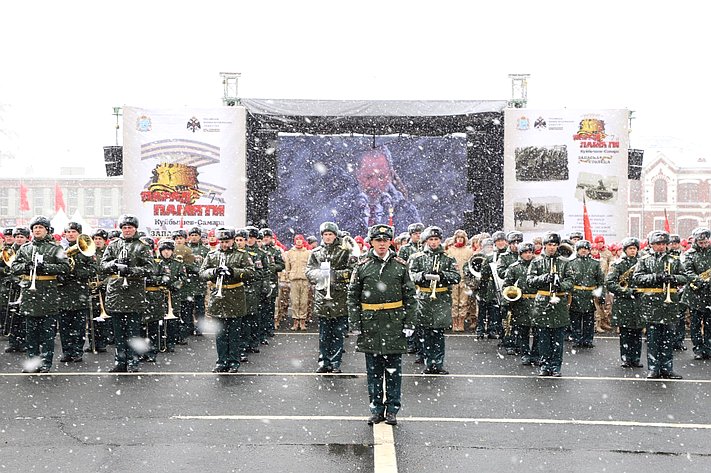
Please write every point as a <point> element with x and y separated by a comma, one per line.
<point>674,256</point>
<point>416,254</point>
<point>645,256</point>
<point>400,260</point>
<point>363,260</point>
<point>241,249</point>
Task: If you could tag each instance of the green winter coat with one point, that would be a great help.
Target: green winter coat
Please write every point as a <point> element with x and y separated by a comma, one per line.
<point>521,309</point>
<point>341,270</point>
<point>625,306</point>
<point>505,260</point>
<point>257,287</point>
<point>406,251</point>
<point>652,292</point>
<point>376,281</point>
<point>45,299</point>
<point>140,262</point>
<point>434,313</point>
<point>233,302</point>
<point>586,276</point>
<point>276,265</point>
<point>156,300</point>
<point>74,291</point>
<point>488,291</point>
<point>194,284</point>
<point>697,294</point>
<point>544,314</point>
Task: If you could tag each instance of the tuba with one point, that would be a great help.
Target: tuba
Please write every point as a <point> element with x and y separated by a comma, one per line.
<point>8,256</point>
<point>184,254</point>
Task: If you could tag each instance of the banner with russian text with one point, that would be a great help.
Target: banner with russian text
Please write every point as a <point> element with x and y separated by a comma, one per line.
<point>556,162</point>
<point>184,168</point>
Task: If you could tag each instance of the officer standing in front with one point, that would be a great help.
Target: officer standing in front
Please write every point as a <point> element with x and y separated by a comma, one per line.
<point>38,264</point>
<point>382,307</point>
<point>587,279</point>
<point>434,271</point>
<point>657,276</point>
<point>697,294</point>
<point>330,267</point>
<point>129,261</point>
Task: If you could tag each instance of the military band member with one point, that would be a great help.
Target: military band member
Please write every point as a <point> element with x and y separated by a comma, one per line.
<point>260,287</point>
<point>129,262</point>
<point>173,275</point>
<point>656,278</point>
<point>506,259</point>
<point>154,326</point>
<point>522,308</point>
<point>15,324</point>
<point>433,272</point>
<point>74,293</point>
<point>38,264</point>
<point>674,248</point>
<point>330,267</point>
<point>548,275</point>
<point>415,245</point>
<point>276,266</point>
<point>185,327</point>
<point>625,306</point>
<point>228,267</point>
<point>196,287</point>
<point>697,294</point>
<point>382,308</point>
<point>103,328</point>
<point>587,279</point>
<point>490,323</point>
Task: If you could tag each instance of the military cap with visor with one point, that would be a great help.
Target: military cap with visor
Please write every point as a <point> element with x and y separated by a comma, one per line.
<point>381,232</point>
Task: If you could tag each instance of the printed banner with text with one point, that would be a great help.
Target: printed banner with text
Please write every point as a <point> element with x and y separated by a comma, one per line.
<point>558,162</point>
<point>184,168</point>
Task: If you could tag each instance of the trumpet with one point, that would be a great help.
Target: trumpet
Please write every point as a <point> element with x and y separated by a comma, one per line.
<point>163,338</point>
<point>667,270</point>
<point>433,283</point>
<point>84,245</point>
<point>8,256</point>
<point>33,273</point>
<point>221,277</point>
<point>326,266</point>
<point>554,299</point>
<point>123,256</point>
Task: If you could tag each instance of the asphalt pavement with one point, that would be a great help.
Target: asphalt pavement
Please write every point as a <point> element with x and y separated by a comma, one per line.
<point>489,415</point>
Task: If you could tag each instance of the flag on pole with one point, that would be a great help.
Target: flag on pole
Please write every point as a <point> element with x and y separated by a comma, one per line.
<point>59,199</point>
<point>667,227</point>
<point>24,202</point>
<point>587,228</point>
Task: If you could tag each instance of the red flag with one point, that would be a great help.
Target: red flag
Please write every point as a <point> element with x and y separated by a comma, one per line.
<point>24,202</point>
<point>390,217</point>
<point>667,227</point>
<point>58,199</point>
<point>587,228</point>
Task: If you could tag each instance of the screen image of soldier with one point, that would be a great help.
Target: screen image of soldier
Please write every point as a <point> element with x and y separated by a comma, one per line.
<point>329,268</point>
<point>38,264</point>
<point>382,310</point>
<point>434,272</point>
<point>656,278</point>
<point>128,261</point>
<point>228,267</point>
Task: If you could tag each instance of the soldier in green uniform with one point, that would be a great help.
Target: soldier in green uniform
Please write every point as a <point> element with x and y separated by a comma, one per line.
<point>656,278</point>
<point>103,329</point>
<point>506,259</point>
<point>276,265</point>
<point>674,248</point>
<point>228,267</point>
<point>183,300</point>
<point>522,308</point>
<point>15,323</point>
<point>129,262</point>
<point>433,272</point>
<point>697,294</point>
<point>548,275</point>
<point>259,289</point>
<point>489,322</point>
<point>588,279</point>
<point>382,310</point>
<point>74,293</point>
<point>625,306</point>
<point>38,264</point>
<point>154,326</point>
<point>329,267</point>
<point>172,274</point>
<point>195,287</point>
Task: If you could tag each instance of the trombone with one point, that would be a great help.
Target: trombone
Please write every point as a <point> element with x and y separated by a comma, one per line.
<point>667,270</point>
<point>33,272</point>
<point>123,256</point>
<point>221,277</point>
<point>553,298</point>
<point>163,338</point>
<point>326,266</point>
<point>12,307</point>
<point>433,283</point>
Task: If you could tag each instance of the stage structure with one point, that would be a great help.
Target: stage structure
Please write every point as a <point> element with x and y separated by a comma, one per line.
<point>558,163</point>
<point>364,162</point>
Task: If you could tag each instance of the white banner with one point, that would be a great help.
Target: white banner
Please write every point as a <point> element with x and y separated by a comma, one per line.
<point>184,168</point>
<point>557,160</point>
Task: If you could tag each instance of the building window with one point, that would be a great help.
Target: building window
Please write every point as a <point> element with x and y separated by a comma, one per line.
<point>688,192</point>
<point>38,202</point>
<point>5,201</point>
<point>635,191</point>
<point>634,226</point>
<point>106,203</point>
<point>658,223</point>
<point>686,225</point>
<point>660,190</point>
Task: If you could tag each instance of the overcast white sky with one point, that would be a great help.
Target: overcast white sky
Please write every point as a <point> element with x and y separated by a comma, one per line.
<point>66,64</point>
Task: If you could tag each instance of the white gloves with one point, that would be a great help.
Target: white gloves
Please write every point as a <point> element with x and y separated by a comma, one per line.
<point>408,332</point>
<point>356,332</point>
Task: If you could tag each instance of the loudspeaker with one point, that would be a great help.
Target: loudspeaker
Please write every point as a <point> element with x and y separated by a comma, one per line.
<point>113,160</point>
<point>635,157</point>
